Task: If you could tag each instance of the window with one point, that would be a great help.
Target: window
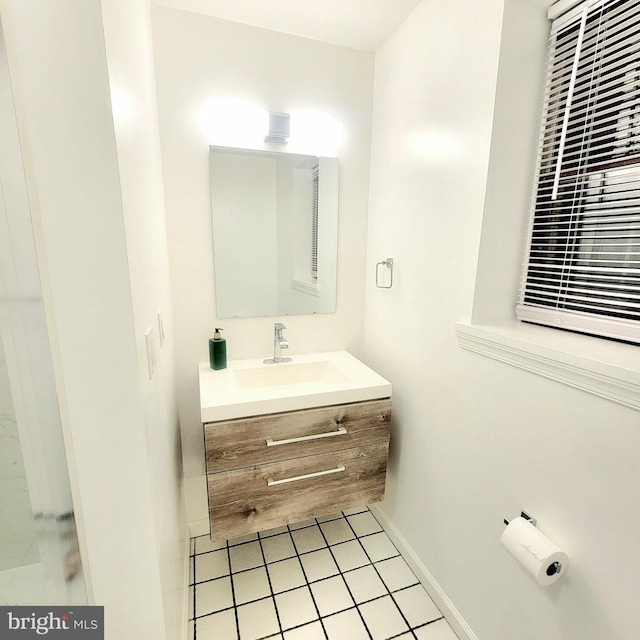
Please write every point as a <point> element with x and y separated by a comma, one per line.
<point>582,270</point>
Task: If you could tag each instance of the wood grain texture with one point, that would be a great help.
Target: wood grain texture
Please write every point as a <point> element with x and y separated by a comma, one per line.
<point>239,443</point>
<point>241,502</point>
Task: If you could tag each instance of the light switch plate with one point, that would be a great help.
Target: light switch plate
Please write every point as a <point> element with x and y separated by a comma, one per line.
<point>161,328</point>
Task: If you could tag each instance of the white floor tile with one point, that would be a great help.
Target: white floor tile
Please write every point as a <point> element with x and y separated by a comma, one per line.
<point>191,631</point>
<point>242,539</point>
<point>251,585</point>
<point>331,516</point>
<point>311,631</point>
<point>396,573</point>
<point>286,574</point>
<point>212,565</point>
<point>416,605</point>
<point>302,524</point>
<point>336,531</point>
<point>308,539</point>
<point>256,620</point>
<point>218,625</point>
<point>354,510</point>
<point>345,626</point>
<point>364,523</point>
<point>203,544</point>
<point>439,630</point>
<point>295,608</point>
<point>318,565</point>
<point>379,547</point>
<point>274,532</point>
<point>278,547</point>
<point>365,584</point>
<point>331,596</point>
<point>213,596</point>
<point>383,618</point>
<point>349,555</point>
<point>245,556</point>
<point>191,604</point>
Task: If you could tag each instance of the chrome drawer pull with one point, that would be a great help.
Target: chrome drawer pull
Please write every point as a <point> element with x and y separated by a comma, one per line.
<point>274,443</point>
<point>317,474</point>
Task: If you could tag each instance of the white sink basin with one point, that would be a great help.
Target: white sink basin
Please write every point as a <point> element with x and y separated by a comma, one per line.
<point>250,387</point>
<point>286,373</point>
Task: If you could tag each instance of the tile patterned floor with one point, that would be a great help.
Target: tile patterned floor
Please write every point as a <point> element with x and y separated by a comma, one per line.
<point>334,578</point>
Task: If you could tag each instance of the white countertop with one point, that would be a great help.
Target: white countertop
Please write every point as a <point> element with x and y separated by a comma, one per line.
<point>250,387</point>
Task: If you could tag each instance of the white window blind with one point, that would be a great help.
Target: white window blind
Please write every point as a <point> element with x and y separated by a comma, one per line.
<point>582,269</point>
<point>314,222</point>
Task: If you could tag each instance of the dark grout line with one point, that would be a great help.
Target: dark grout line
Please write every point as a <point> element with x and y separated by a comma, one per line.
<point>306,579</point>
<point>195,626</point>
<point>342,574</point>
<point>273,597</point>
<point>383,582</point>
<point>426,624</point>
<point>213,613</point>
<point>402,633</point>
<point>233,593</point>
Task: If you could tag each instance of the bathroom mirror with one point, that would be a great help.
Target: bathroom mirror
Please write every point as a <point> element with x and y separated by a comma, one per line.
<point>275,232</point>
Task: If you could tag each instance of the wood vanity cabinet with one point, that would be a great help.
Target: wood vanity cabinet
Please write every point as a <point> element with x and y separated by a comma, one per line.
<point>271,470</point>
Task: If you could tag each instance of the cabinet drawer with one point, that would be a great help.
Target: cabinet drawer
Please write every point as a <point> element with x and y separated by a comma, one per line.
<point>270,495</point>
<point>249,441</point>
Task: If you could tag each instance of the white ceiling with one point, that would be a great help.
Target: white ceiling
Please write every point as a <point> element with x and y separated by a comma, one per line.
<point>359,24</point>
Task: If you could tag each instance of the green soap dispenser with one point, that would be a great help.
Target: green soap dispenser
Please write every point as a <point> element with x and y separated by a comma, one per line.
<point>217,351</point>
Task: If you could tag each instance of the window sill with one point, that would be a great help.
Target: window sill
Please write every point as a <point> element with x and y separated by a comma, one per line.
<point>601,367</point>
<point>305,287</point>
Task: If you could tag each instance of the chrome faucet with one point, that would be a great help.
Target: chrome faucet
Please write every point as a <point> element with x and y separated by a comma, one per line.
<point>279,343</point>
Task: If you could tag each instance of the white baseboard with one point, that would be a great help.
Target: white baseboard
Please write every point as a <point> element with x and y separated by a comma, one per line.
<point>451,614</point>
<point>195,493</point>
<point>199,528</point>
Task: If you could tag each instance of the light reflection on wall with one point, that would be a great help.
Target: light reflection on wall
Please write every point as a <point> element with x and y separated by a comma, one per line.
<point>315,132</point>
<point>122,105</point>
<point>233,122</point>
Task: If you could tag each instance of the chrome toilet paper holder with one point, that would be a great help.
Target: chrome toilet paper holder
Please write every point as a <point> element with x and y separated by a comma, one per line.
<point>553,568</point>
<point>526,516</point>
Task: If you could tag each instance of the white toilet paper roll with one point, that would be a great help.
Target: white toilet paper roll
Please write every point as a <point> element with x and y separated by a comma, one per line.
<point>545,561</point>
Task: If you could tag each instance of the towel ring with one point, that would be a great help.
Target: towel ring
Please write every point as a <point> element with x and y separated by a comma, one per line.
<point>385,263</point>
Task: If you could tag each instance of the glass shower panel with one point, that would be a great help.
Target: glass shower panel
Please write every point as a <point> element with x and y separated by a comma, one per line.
<point>18,536</point>
<point>39,557</point>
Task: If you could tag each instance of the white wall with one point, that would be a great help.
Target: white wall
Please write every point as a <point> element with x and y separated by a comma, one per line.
<point>516,123</point>
<point>95,188</point>
<point>127,33</point>
<point>475,440</point>
<point>198,58</point>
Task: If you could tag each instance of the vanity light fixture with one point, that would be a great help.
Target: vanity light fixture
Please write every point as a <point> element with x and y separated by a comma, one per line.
<point>279,127</point>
